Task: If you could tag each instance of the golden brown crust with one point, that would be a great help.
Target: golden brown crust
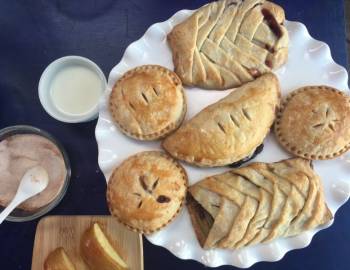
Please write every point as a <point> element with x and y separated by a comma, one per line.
<point>227,43</point>
<point>257,204</point>
<point>148,102</point>
<point>147,191</point>
<point>314,123</point>
<point>230,129</point>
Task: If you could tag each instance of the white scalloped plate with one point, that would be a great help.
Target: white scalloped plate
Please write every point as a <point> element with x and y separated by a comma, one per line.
<point>309,63</point>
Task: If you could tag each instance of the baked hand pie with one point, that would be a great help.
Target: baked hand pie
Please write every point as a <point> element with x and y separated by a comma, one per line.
<point>147,191</point>
<point>230,129</point>
<point>314,123</point>
<point>257,204</point>
<point>227,43</point>
<point>148,102</point>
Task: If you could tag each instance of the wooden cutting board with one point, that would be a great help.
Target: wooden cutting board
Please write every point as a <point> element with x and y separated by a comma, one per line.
<point>65,231</point>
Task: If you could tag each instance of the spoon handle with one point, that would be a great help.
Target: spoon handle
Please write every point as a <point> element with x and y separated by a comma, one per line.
<point>12,205</point>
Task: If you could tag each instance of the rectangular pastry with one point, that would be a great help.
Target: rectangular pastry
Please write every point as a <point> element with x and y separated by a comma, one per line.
<point>257,204</point>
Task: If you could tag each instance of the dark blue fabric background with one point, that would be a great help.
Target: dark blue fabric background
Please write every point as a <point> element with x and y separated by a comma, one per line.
<point>34,33</point>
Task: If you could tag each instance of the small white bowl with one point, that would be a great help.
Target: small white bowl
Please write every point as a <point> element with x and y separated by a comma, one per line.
<point>45,86</point>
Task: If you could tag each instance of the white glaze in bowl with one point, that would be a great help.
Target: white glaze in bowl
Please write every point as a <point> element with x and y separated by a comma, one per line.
<point>67,64</point>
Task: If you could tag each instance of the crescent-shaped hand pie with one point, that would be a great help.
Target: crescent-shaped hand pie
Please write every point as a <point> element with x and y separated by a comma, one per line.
<point>230,129</point>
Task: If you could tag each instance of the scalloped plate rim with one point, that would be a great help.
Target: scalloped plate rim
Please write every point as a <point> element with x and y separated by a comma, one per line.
<point>262,258</point>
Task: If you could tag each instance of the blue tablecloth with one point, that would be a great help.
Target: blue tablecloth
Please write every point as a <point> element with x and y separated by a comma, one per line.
<point>34,33</point>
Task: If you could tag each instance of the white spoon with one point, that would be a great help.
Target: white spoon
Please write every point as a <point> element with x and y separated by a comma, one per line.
<point>33,181</point>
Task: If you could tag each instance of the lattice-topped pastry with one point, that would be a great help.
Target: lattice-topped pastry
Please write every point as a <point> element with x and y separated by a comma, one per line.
<point>257,204</point>
<point>230,129</point>
<point>314,123</point>
<point>147,191</point>
<point>227,43</point>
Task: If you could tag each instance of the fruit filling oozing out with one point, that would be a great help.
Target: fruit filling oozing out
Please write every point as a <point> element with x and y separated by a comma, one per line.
<point>256,152</point>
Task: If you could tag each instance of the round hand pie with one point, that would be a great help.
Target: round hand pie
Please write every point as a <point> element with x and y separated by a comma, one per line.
<point>148,102</point>
<point>147,191</point>
<point>314,123</point>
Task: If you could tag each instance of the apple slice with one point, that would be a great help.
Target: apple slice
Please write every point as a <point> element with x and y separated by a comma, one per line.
<point>58,260</point>
<point>97,251</point>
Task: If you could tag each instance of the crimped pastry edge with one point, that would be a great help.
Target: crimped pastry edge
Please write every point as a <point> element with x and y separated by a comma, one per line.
<point>297,151</point>
<point>163,132</point>
<point>207,163</point>
<point>183,199</point>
